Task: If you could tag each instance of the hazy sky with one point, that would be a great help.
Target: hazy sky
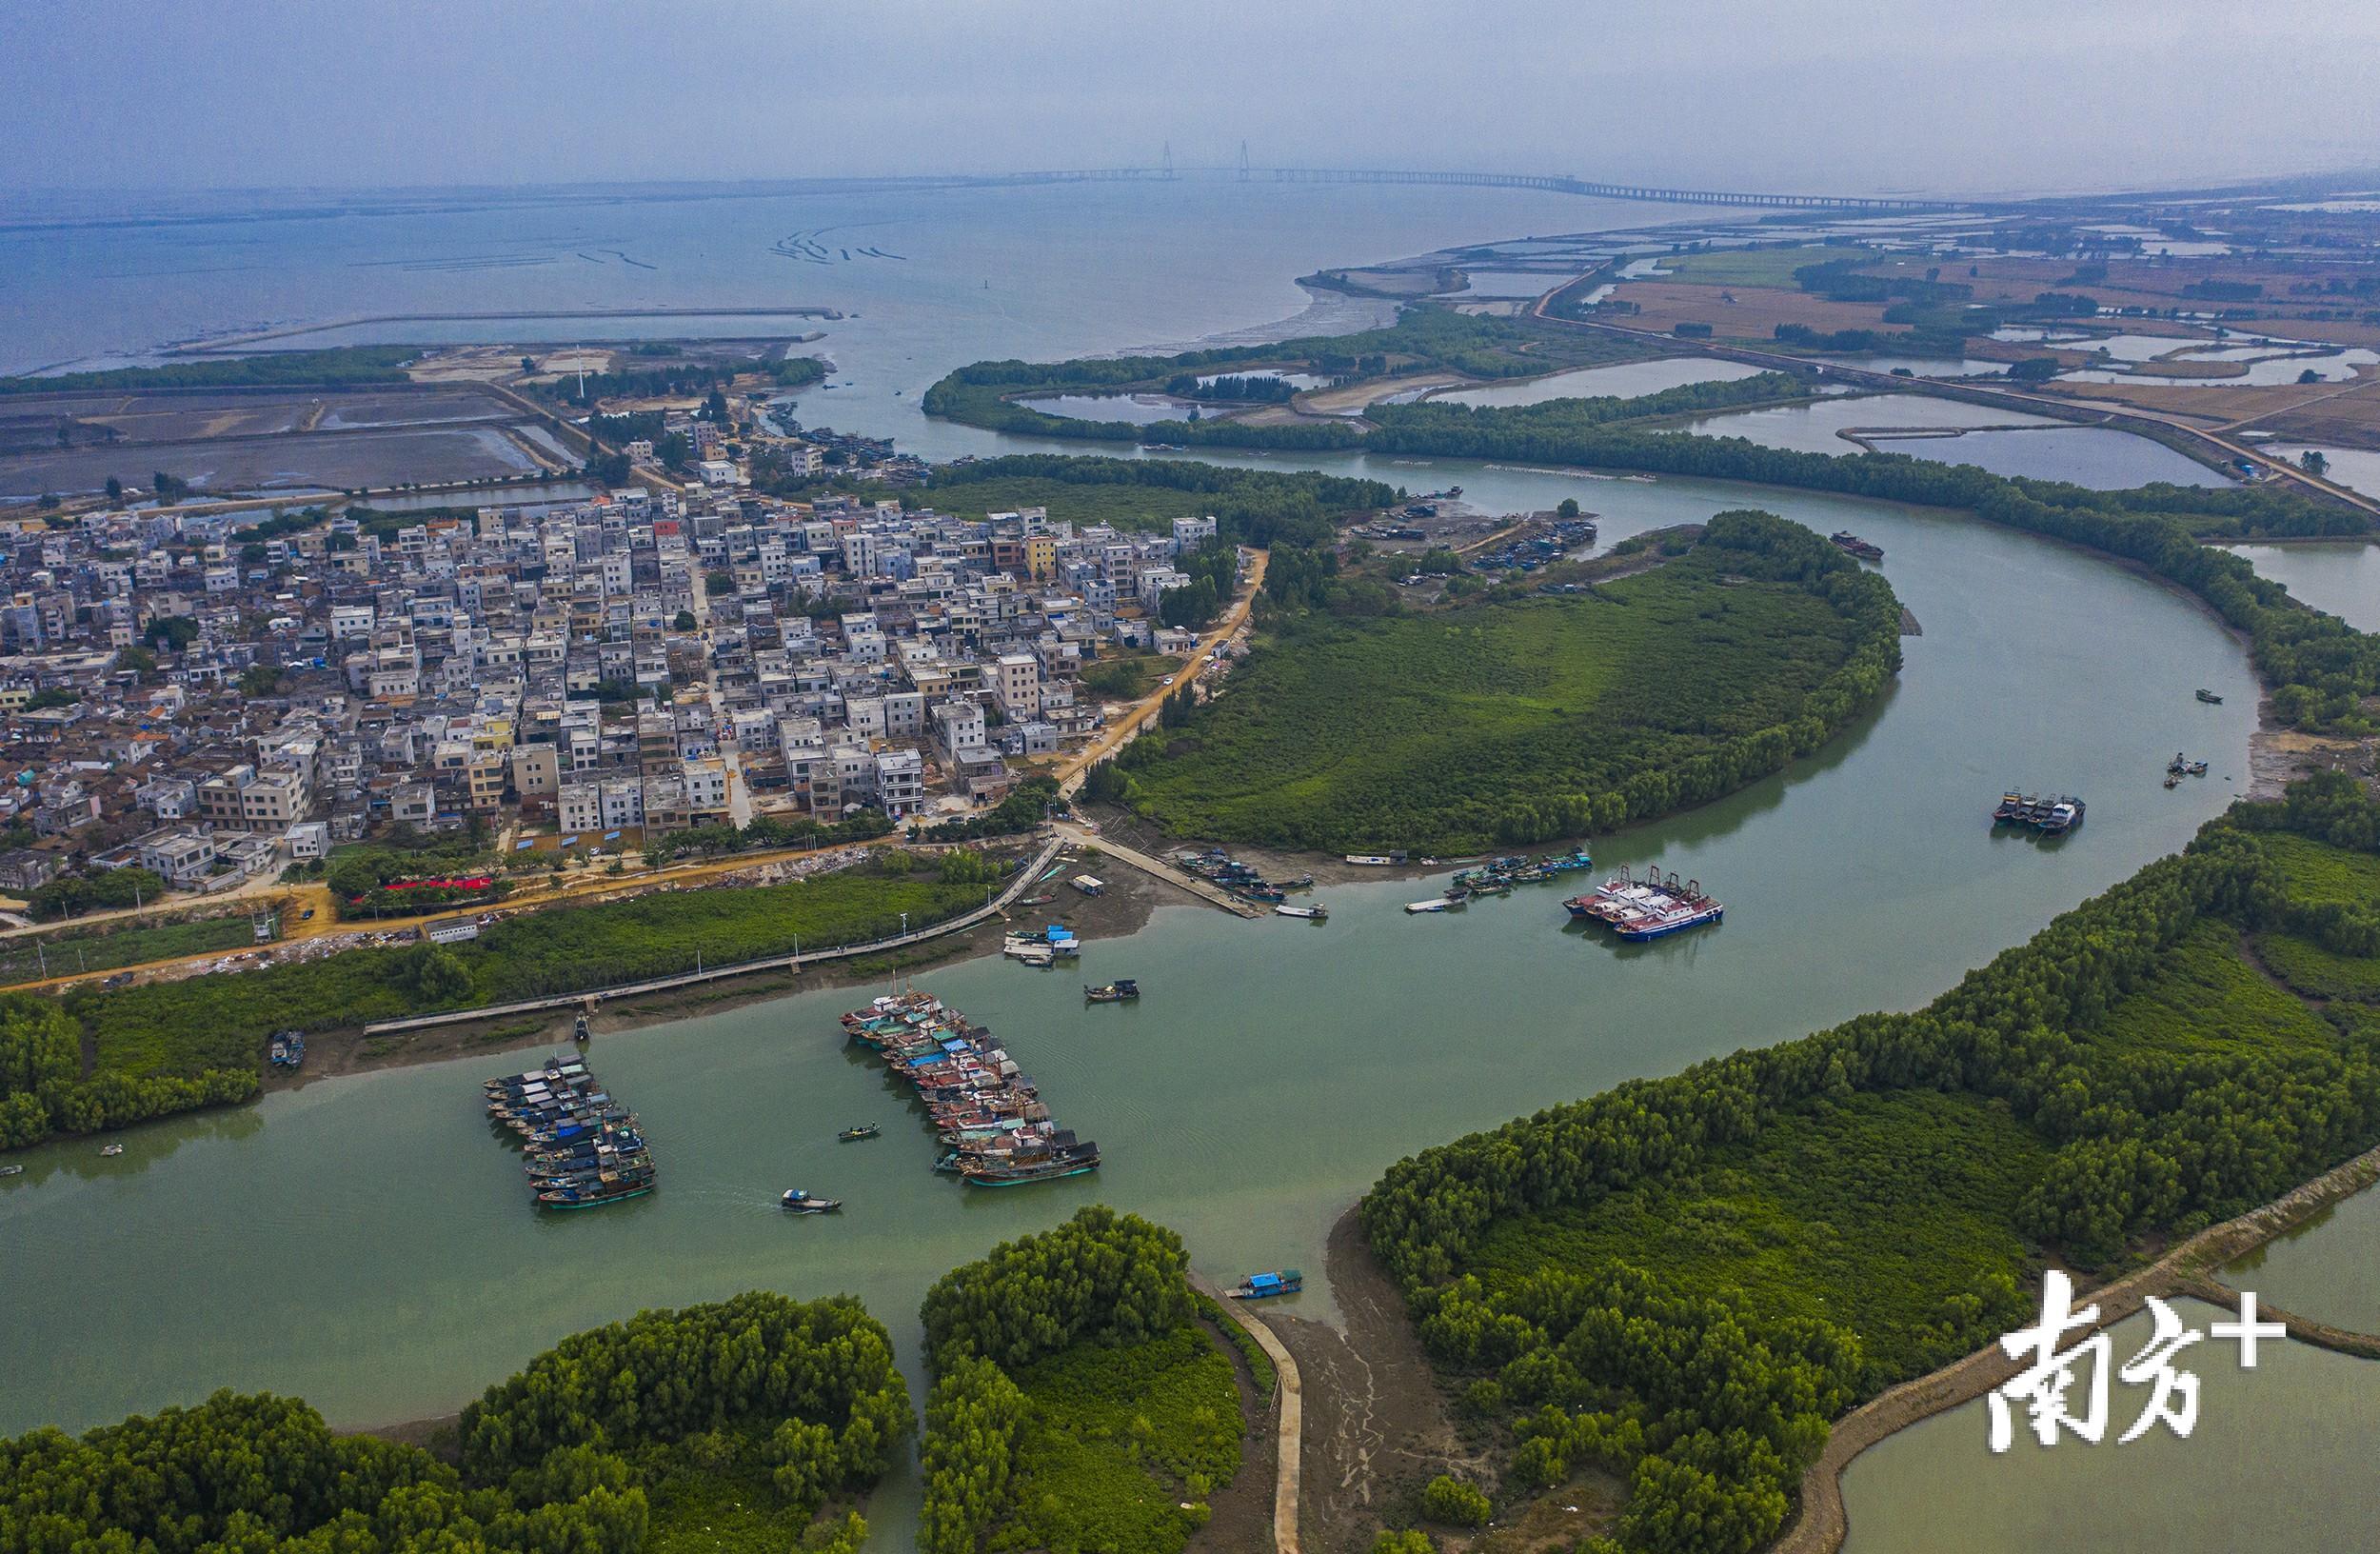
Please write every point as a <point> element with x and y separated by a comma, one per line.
<point>2009,95</point>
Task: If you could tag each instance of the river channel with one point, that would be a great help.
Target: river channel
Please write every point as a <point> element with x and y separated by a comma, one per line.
<point>366,1244</point>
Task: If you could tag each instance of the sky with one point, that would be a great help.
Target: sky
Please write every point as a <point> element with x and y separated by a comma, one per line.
<point>1845,96</point>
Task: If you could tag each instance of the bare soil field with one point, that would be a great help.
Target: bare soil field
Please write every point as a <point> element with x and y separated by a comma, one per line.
<point>2347,416</point>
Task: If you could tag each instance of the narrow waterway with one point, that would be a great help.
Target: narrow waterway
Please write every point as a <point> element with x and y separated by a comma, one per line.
<point>2277,1463</point>
<point>2342,578</point>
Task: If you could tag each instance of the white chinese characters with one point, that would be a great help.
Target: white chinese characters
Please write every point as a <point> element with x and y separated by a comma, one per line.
<point>2047,1383</point>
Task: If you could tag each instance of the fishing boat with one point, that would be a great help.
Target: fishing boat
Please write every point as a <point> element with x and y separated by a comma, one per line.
<point>1849,543</point>
<point>1118,992</point>
<point>593,1199</point>
<point>1436,904</point>
<point>799,1202</point>
<point>578,1031</point>
<point>865,1130</point>
<point>2063,816</point>
<point>111,1149</point>
<point>1300,882</point>
<point>2209,696</point>
<point>2012,810</point>
<point>1312,914</point>
<point>1647,908</point>
<point>1261,1286</point>
<point>1047,1161</point>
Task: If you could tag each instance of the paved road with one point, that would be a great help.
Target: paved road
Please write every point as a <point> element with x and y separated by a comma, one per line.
<point>1124,730</point>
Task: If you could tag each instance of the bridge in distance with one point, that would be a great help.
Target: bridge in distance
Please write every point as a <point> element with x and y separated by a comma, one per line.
<point>1549,183</point>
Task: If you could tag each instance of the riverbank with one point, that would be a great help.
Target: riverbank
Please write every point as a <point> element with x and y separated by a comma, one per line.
<point>1822,1523</point>
<point>1122,910</point>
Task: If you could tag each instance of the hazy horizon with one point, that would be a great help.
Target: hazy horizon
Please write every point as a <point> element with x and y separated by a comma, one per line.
<point>1849,96</point>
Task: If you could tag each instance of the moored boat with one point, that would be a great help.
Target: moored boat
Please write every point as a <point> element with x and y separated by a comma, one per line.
<point>1315,913</point>
<point>1849,543</point>
<point>1436,904</point>
<point>1648,909</point>
<point>1259,1286</point>
<point>1122,989</point>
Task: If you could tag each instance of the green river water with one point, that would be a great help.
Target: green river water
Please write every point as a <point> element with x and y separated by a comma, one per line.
<point>365,1241</point>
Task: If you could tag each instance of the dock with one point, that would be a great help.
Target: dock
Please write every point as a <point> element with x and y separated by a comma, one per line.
<point>1212,894</point>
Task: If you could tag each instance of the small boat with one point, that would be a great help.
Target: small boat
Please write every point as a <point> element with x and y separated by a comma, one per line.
<point>1377,860</point>
<point>2181,766</point>
<point>2063,816</point>
<point>1436,904</point>
<point>580,1032</point>
<point>2209,696</point>
<point>865,1130</point>
<point>1118,992</point>
<point>1313,914</point>
<point>1259,1287</point>
<point>799,1202</point>
<point>111,1149</point>
<point>11,1171</point>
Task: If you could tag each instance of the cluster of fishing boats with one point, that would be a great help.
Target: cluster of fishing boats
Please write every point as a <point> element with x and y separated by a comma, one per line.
<point>988,1115</point>
<point>2181,766</point>
<point>1498,876</point>
<point>1647,908</point>
<point>1243,880</point>
<point>2052,816</point>
<point>1048,947</point>
<point>581,1145</point>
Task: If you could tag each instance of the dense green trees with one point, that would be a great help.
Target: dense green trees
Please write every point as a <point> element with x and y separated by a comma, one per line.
<point>1100,1276</point>
<point>2157,1083</point>
<point>1424,337</point>
<point>44,1091</point>
<point>1069,1371</point>
<point>571,1456</point>
<point>167,1046</point>
<point>71,895</point>
<point>1250,507</point>
<point>1511,722</point>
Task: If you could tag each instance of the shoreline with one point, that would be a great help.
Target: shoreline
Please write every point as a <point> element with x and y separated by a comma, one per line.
<point>1125,909</point>
<point>1822,1521</point>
